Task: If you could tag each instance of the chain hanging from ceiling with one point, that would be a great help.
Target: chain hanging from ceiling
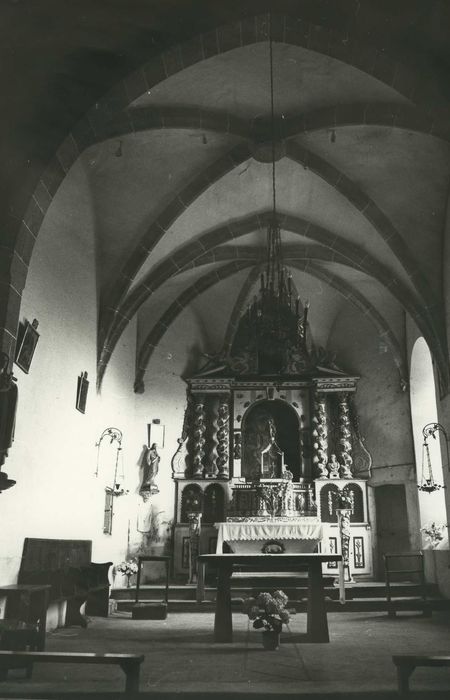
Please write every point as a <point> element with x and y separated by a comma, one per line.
<point>275,316</point>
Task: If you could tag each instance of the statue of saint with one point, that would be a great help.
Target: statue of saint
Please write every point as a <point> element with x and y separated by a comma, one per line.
<point>333,467</point>
<point>151,468</point>
<point>8,405</point>
<point>346,472</point>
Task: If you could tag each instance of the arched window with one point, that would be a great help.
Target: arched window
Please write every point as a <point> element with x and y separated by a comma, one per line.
<point>424,411</point>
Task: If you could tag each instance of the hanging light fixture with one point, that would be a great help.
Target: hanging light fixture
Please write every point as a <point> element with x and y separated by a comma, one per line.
<point>427,483</point>
<point>275,313</point>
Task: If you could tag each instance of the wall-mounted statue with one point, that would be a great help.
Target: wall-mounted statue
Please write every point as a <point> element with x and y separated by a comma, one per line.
<point>151,467</point>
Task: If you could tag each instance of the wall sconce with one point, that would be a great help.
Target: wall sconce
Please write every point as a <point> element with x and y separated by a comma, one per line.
<point>427,483</point>
<point>114,435</point>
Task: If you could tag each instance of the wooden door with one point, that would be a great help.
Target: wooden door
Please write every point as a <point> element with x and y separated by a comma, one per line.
<point>392,522</point>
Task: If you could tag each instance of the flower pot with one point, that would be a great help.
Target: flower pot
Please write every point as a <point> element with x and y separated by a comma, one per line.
<point>271,640</point>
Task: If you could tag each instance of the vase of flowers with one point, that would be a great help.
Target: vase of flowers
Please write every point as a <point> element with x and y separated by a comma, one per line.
<point>129,568</point>
<point>268,613</point>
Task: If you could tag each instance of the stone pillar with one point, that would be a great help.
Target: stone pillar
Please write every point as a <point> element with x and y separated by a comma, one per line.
<point>343,515</point>
<point>199,436</point>
<point>194,544</point>
<point>223,438</point>
<point>345,438</point>
<point>320,437</point>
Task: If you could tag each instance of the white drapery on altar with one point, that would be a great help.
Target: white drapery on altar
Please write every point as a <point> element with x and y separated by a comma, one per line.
<point>303,534</point>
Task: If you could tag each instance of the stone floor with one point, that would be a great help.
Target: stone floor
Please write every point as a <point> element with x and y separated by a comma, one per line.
<point>180,657</point>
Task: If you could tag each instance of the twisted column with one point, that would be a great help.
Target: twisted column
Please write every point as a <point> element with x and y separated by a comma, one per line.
<point>320,437</point>
<point>211,463</point>
<point>345,436</point>
<point>223,438</point>
<point>199,436</point>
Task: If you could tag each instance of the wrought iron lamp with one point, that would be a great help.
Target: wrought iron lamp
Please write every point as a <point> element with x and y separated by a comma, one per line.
<point>427,483</point>
<point>114,435</point>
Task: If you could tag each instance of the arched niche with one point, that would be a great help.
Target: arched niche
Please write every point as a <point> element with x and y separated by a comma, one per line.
<point>357,500</point>
<point>329,503</point>
<point>191,501</point>
<point>213,504</point>
<point>262,420</point>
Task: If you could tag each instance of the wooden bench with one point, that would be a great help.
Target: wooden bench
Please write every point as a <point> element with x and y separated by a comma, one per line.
<point>66,566</point>
<point>24,625</point>
<point>129,663</point>
<point>406,663</point>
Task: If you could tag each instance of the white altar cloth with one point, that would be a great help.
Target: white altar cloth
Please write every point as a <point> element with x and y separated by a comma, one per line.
<point>302,534</point>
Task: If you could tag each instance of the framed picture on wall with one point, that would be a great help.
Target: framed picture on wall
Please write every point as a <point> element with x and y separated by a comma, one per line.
<point>82,391</point>
<point>26,345</point>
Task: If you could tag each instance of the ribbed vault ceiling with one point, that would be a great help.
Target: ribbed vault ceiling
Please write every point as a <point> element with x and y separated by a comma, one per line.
<point>361,195</point>
<point>181,191</point>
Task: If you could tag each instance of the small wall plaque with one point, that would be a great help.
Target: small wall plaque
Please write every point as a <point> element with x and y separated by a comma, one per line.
<point>27,341</point>
<point>82,391</point>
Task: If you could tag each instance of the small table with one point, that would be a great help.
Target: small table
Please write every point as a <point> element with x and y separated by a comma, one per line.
<point>38,595</point>
<point>317,624</point>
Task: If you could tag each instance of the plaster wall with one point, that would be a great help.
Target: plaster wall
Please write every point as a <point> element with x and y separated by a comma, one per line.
<point>164,399</point>
<point>383,411</point>
<point>53,457</point>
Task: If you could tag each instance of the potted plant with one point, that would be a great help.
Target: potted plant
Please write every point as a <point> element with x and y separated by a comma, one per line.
<point>268,613</point>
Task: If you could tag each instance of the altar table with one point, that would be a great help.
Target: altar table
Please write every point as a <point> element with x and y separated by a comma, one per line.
<point>317,624</point>
<point>300,535</point>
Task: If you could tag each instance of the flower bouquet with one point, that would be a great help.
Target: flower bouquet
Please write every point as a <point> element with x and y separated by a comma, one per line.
<point>434,533</point>
<point>268,613</point>
<point>128,568</point>
<point>344,500</point>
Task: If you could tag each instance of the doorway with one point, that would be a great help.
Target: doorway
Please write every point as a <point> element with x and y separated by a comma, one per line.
<point>392,522</point>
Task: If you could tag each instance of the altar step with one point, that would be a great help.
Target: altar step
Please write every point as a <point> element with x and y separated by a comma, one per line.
<point>357,605</point>
<point>368,596</point>
<point>294,589</point>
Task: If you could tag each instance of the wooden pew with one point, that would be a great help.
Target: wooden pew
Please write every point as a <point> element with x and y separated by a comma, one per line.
<point>66,567</point>
<point>129,663</point>
<point>406,663</point>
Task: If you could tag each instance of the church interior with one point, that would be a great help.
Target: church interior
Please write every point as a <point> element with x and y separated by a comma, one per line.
<point>224,332</point>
